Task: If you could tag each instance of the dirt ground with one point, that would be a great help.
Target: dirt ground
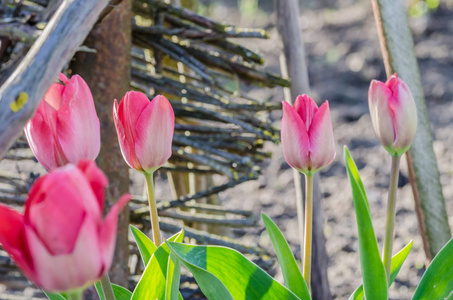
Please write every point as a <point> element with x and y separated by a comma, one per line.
<point>343,56</point>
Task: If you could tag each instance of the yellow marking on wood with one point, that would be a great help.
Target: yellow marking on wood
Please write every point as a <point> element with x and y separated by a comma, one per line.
<point>19,103</point>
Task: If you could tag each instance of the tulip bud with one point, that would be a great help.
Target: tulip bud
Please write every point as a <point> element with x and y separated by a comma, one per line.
<point>307,135</point>
<point>65,127</point>
<point>61,242</point>
<point>393,114</point>
<point>145,130</point>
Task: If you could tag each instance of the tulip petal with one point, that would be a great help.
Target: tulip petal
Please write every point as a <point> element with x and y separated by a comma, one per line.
<point>52,195</point>
<point>78,127</point>
<point>322,143</point>
<point>127,149</point>
<point>295,141</point>
<point>59,231</point>
<point>306,109</point>
<point>154,132</point>
<point>39,132</point>
<point>53,95</point>
<point>96,178</point>
<point>380,113</point>
<point>404,115</point>
<point>79,268</point>
<point>126,116</point>
<point>108,230</point>
<point>13,239</point>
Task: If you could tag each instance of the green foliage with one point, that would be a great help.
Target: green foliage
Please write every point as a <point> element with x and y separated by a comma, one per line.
<point>373,272</point>
<point>397,261</point>
<point>155,282</point>
<point>144,244</point>
<point>223,273</point>
<point>54,296</point>
<point>291,272</point>
<point>120,292</point>
<point>437,282</point>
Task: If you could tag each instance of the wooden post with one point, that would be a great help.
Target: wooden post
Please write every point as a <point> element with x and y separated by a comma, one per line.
<point>24,89</point>
<point>107,73</point>
<point>296,69</point>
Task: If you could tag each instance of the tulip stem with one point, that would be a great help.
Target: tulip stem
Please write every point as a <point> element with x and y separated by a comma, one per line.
<point>107,287</point>
<point>308,228</point>
<point>153,209</point>
<point>390,219</point>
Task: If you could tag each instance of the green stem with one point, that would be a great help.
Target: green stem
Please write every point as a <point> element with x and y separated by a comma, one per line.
<point>107,287</point>
<point>76,295</point>
<point>153,209</point>
<point>390,220</point>
<point>308,227</point>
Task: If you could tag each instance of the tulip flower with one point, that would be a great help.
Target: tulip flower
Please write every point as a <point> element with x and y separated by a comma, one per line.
<point>394,118</point>
<point>145,133</point>
<point>307,135</point>
<point>65,127</point>
<point>61,242</point>
<point>145,130</point>
<point>393,114</point>
<point>308,146</point>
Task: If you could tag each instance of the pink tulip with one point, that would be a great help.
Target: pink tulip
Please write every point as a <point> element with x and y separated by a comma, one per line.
<point>61,242</point>
<point>393,114</point>
<point>145,130</point>
<point>307,135</point>
<point>65,127</point>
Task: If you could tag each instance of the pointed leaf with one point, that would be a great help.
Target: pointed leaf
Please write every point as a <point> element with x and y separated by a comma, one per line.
<point>144,244</point>
<point>437,282</point>
<point>120,292</point>
<point>173,279</point>
<point>397,261</point>
<point>54,296</point>
<point>291,272</point>
<point>153,283</point>
<point>223,273</point>
<point>373,272</point>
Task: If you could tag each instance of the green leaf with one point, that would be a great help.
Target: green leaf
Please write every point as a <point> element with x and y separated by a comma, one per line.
<point>120,292</point>
<point>173,279</point>
<point>373,272</point>
<point>291,272</point>
<point>397,261</point>
<point>144,244</point>
<point>153,283</point>
<point>437,282</point>
<point>223,273</point>
<point>54,296</point>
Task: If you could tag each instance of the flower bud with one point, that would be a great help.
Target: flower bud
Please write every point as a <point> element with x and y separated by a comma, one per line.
<point>65,127</point>
<point>145,130</point>
<point>61,242</point>
<point>393,114</point>
<point>307,135</point>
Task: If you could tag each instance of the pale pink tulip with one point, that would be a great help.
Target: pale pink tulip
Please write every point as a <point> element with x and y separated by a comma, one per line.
<point>145,130</point>
<point>307,135</point>
<point>65,127</point>
<point>393,114</point>
<point>61,242</point>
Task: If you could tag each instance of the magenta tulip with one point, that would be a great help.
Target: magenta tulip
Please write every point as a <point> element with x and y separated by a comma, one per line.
<point>65,127</point>
<point>145,130</point>
<point>61,242</point>
<point>307,135</point>
<point>393,114</point>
